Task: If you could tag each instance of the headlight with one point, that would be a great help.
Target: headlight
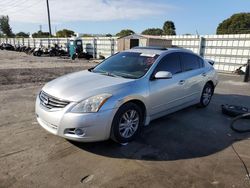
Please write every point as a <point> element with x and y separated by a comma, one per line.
<point>92,104</point>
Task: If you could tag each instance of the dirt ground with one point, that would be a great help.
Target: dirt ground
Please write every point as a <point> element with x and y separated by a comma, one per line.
<point>191,148</point>
<point>19,68</point>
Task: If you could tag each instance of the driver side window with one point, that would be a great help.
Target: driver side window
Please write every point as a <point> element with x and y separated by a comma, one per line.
<point>170,63</point>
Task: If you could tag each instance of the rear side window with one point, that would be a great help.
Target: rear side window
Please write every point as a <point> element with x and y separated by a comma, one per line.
<point>190,62</point>
<point>201,62</point>
<point>170,63</point>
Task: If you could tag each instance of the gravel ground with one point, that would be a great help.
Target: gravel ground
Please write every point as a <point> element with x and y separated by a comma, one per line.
<point>19,60</point>
<point>190,148</point>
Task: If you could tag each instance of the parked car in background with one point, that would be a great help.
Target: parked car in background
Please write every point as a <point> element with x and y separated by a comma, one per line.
<point>123,93</point>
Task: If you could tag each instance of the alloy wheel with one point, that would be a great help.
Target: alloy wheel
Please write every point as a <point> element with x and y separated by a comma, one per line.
<point>207,95</point>
<point>129,123</point>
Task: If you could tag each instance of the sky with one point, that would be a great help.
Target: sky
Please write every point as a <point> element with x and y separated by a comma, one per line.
<point>111,16</point>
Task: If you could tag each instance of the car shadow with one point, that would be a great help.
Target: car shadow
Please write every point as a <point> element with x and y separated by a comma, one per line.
<point>190,133</point>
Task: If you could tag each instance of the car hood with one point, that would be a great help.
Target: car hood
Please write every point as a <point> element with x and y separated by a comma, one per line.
<point>81,85</point>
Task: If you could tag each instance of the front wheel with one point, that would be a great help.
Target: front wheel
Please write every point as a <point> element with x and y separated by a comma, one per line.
<point>207,94</point>
<point>126,123</point>
<point>39,54</point>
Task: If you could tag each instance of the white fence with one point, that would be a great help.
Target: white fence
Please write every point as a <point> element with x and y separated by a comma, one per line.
<point>105,46</point>
<point>228,51</point>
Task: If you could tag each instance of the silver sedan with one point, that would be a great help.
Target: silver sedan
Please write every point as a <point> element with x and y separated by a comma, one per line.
<point>123,93</point>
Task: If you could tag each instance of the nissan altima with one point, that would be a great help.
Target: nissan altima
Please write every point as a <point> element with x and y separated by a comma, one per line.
<point>123,93</point>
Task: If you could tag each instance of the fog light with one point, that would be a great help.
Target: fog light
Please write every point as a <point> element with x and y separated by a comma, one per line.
<point>79,132</point>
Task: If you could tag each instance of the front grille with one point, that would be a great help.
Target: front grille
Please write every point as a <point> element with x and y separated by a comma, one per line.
<point>51,102</point>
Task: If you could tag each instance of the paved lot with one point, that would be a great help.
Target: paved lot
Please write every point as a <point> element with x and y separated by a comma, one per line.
<point>190,148</point>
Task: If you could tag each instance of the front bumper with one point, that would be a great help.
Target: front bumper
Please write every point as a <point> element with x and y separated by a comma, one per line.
<point>96,126</point>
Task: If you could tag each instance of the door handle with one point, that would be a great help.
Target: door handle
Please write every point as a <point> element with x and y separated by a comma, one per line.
<point>181,82</point>
<point>204,74</point>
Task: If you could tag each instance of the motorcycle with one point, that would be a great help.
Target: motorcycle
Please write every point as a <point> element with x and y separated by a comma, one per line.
<point>38,51</point>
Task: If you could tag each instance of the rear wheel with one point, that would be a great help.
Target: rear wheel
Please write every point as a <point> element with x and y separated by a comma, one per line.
<point>39,54</point>
<point>52,54</point>
<point>207,94</point>
<point>126,123</point>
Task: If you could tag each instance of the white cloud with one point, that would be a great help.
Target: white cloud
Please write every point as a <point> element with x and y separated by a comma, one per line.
<point>34,11</point>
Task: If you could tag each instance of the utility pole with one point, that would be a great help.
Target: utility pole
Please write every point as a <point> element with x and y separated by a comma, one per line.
<point>49,17</point>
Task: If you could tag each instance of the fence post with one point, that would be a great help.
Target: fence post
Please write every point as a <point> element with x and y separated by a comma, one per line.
<point>247,73</point>
<point>34,42</point>
<point>202,46</point>
<point>94,48</point>
<point>112,46</point>
<point>49,42</point>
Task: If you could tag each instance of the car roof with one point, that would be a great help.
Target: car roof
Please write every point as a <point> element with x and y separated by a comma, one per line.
<point>156,50</point>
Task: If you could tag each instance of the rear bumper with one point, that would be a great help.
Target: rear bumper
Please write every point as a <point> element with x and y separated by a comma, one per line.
<point>96,126</point>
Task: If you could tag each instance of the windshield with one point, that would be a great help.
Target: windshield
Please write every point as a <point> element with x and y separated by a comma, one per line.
<point>126,64</point>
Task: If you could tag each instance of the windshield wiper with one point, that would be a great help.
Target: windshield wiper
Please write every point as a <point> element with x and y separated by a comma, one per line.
<point>126,75</point>
<point>91,69</point>
<point>111,74</point>
<point>107,73</point>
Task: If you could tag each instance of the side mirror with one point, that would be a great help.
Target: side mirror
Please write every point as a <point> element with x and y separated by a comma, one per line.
<point>211,62</point>
<point>163,75</point>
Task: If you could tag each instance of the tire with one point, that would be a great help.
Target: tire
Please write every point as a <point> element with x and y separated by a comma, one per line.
<point>206,96</point>
<point>52,54</point>
<point>39,54</point>
<point>246,115</point>
<point>124,131</point>
<point>233,111</point>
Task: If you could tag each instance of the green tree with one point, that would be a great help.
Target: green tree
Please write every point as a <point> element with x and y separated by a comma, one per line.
<point>41,34</point>
<point>108,35</point>
<point>5,26</point>
<point>125,32</point>
<point>169,28</point>
<point>86,35</point>
<point>236,24</point>
<point>153,31</point>
<point>65,33</point>
<point>22,34</point>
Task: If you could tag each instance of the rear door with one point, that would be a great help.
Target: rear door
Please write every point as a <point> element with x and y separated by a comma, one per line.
<point>167,93</point>
<point>193,75</point>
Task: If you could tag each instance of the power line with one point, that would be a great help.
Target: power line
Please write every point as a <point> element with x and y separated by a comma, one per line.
<point>12,5</point>
<point>16,3</point>
<point>23,8</point>
<point>19,2</point>
<point>4,2</point>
